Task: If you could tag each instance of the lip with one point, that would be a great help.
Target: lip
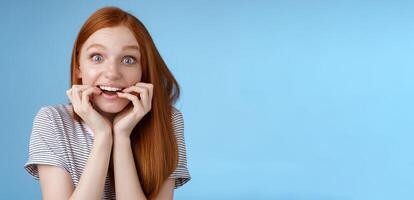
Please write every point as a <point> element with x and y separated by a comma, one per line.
<point>109,97</point>
<point>111,85</point>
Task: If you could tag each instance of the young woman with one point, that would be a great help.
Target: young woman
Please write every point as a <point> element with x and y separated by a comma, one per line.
<point>120,137</point>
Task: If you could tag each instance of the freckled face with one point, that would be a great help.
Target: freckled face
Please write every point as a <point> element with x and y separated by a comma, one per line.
<point>110,57</point>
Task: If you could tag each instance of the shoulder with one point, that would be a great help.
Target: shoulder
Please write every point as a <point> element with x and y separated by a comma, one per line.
<point>55,118</point>
<point>55,113</point>
<point>177,120</point>
<point>48,140</point>
<point>181,173</point>
<point>175,111</point>
<point>176,114</point>
<point>58,110</point>
<point>178,125</point>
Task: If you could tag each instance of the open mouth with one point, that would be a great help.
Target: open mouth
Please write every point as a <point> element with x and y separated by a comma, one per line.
<point>110,90</point>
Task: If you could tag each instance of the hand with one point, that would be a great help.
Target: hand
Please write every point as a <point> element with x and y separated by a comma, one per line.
<point>127,119</point>
<point>79,95</point>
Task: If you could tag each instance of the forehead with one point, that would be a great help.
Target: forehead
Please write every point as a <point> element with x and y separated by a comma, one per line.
<point>112,37</point>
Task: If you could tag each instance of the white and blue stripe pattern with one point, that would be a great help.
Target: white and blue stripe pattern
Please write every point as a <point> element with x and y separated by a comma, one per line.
<point>59,140</point>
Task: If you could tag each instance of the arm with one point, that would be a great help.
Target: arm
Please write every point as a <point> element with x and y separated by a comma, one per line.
<point>126,178</point>
<point>56,182</point>
<point>92,181</point>
<point>127,185</point>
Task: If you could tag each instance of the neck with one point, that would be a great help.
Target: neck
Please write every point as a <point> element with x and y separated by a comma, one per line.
<point>108,116</point>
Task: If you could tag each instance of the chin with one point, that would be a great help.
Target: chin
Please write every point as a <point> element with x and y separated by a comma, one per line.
<point>111,106</point>
<point>111,109</point>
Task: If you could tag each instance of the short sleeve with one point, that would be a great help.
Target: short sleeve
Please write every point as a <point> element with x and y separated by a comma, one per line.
<point>181,173</point>
<point>44,145</point>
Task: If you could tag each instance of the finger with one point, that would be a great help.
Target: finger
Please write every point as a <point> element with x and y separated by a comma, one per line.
<point>87,93</point>
<point>134,88</point>
<point>134,99</point>
<point>76,96</point>
<point>76,93</point>
<point>147,85</point>
<point>143,94</point>
<point>81,86</point>
<point>78,89</point>
<point>69,94</point>
<point>150,88</point>
<point>75,103</point>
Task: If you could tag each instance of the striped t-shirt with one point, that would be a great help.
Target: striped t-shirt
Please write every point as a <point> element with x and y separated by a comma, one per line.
<point>59,140</point>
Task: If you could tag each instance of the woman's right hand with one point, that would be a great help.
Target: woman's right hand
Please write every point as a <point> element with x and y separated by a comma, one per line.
<point>79,95</point>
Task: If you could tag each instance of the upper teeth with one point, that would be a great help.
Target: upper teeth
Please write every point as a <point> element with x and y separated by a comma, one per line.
<point>110,88</point>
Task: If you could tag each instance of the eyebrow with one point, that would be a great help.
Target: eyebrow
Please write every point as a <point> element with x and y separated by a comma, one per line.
<point>130,47</point>
<point>103,47</point>
<point>96,46</point>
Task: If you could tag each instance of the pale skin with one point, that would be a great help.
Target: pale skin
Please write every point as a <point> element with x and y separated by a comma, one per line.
<point>110,55</point>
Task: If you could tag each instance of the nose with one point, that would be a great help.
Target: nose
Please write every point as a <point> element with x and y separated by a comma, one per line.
<point>112,71</point>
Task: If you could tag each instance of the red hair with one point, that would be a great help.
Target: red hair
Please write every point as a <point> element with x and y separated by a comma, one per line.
<point>153,140</point>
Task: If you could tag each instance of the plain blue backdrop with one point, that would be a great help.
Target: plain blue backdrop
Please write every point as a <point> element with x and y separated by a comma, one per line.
<point>290,100</point>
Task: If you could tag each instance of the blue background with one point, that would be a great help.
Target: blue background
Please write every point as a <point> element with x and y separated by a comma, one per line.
<point>291,100</point>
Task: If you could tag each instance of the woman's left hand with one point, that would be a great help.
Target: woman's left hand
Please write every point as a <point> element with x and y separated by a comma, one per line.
<point>125,121</point>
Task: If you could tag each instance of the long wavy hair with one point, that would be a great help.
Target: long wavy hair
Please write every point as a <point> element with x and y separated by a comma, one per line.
<point>152,140</point>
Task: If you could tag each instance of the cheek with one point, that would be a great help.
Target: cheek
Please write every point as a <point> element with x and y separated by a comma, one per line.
<point>89,75</point>
<point>138,76</point>
<point>133,77</point>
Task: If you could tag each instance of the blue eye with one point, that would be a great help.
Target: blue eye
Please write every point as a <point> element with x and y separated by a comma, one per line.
<point>96,58</point>
<point>129,60</point>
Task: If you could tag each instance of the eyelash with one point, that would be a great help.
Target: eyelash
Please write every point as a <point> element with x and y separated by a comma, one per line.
<point>134,60</point>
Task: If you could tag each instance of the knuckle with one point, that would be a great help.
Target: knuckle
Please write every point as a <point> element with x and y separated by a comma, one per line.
<point>81,111</point>
<point>76,109</point>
